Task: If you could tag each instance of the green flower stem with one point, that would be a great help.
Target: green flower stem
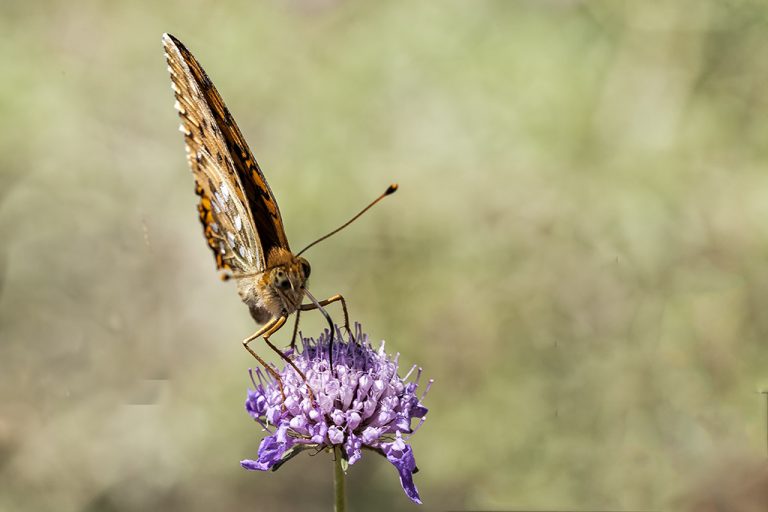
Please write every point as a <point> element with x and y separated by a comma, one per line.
<point>340,495</point>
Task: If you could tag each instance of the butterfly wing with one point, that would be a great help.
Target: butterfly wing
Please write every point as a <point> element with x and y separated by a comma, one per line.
<point>240,217</point>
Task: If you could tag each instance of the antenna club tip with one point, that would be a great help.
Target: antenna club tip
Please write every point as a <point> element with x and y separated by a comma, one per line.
<point>391,189</point>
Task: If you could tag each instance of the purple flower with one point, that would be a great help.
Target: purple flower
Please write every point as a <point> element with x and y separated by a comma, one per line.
<point>359,403</point>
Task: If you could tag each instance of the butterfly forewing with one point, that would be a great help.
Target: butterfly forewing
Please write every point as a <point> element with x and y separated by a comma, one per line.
<point>240,217</point>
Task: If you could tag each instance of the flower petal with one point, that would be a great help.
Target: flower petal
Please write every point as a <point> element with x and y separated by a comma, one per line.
<point>271,450</point>
<point>256,404</point>
<point>335,435</point>
<point>401,456</point>
<point>352,448</point>
<point>254,465</point>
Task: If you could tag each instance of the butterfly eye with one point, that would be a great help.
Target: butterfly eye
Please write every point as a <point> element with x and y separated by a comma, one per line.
<point>305,268</point>
<point>281,280</point>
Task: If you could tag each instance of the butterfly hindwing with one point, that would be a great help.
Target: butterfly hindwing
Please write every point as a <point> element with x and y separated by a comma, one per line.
<point>240,216</point>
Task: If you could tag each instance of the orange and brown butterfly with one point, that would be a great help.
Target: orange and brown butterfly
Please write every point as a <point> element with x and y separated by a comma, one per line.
<point>240,217</point>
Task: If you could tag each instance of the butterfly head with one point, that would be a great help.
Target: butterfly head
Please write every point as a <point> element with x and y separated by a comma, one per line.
<point>284,281</point>
<point>289,277</point>
<point>277,290</point>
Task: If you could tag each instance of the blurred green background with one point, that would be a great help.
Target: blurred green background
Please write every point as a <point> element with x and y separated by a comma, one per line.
<point>577,253</point>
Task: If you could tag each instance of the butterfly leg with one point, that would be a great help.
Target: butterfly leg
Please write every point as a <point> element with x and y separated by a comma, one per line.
<point>295,330</point>
<point>263,363</point>
<point>330,300</point>
<point>275,326</point>
<point>319,305</point>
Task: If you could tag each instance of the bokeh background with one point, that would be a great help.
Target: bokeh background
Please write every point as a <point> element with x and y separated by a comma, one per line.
<point>577,254</point>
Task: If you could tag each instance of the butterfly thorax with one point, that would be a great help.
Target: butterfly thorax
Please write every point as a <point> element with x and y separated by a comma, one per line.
<point>279,289</point>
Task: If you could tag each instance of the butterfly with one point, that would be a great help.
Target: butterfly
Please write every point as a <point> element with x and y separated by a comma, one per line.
<point>240,217</point>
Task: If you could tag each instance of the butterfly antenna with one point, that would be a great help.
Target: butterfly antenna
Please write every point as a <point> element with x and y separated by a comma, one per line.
<point>390,190</point>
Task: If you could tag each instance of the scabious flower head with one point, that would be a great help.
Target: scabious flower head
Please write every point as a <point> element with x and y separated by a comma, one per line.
<point>359,403</point>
